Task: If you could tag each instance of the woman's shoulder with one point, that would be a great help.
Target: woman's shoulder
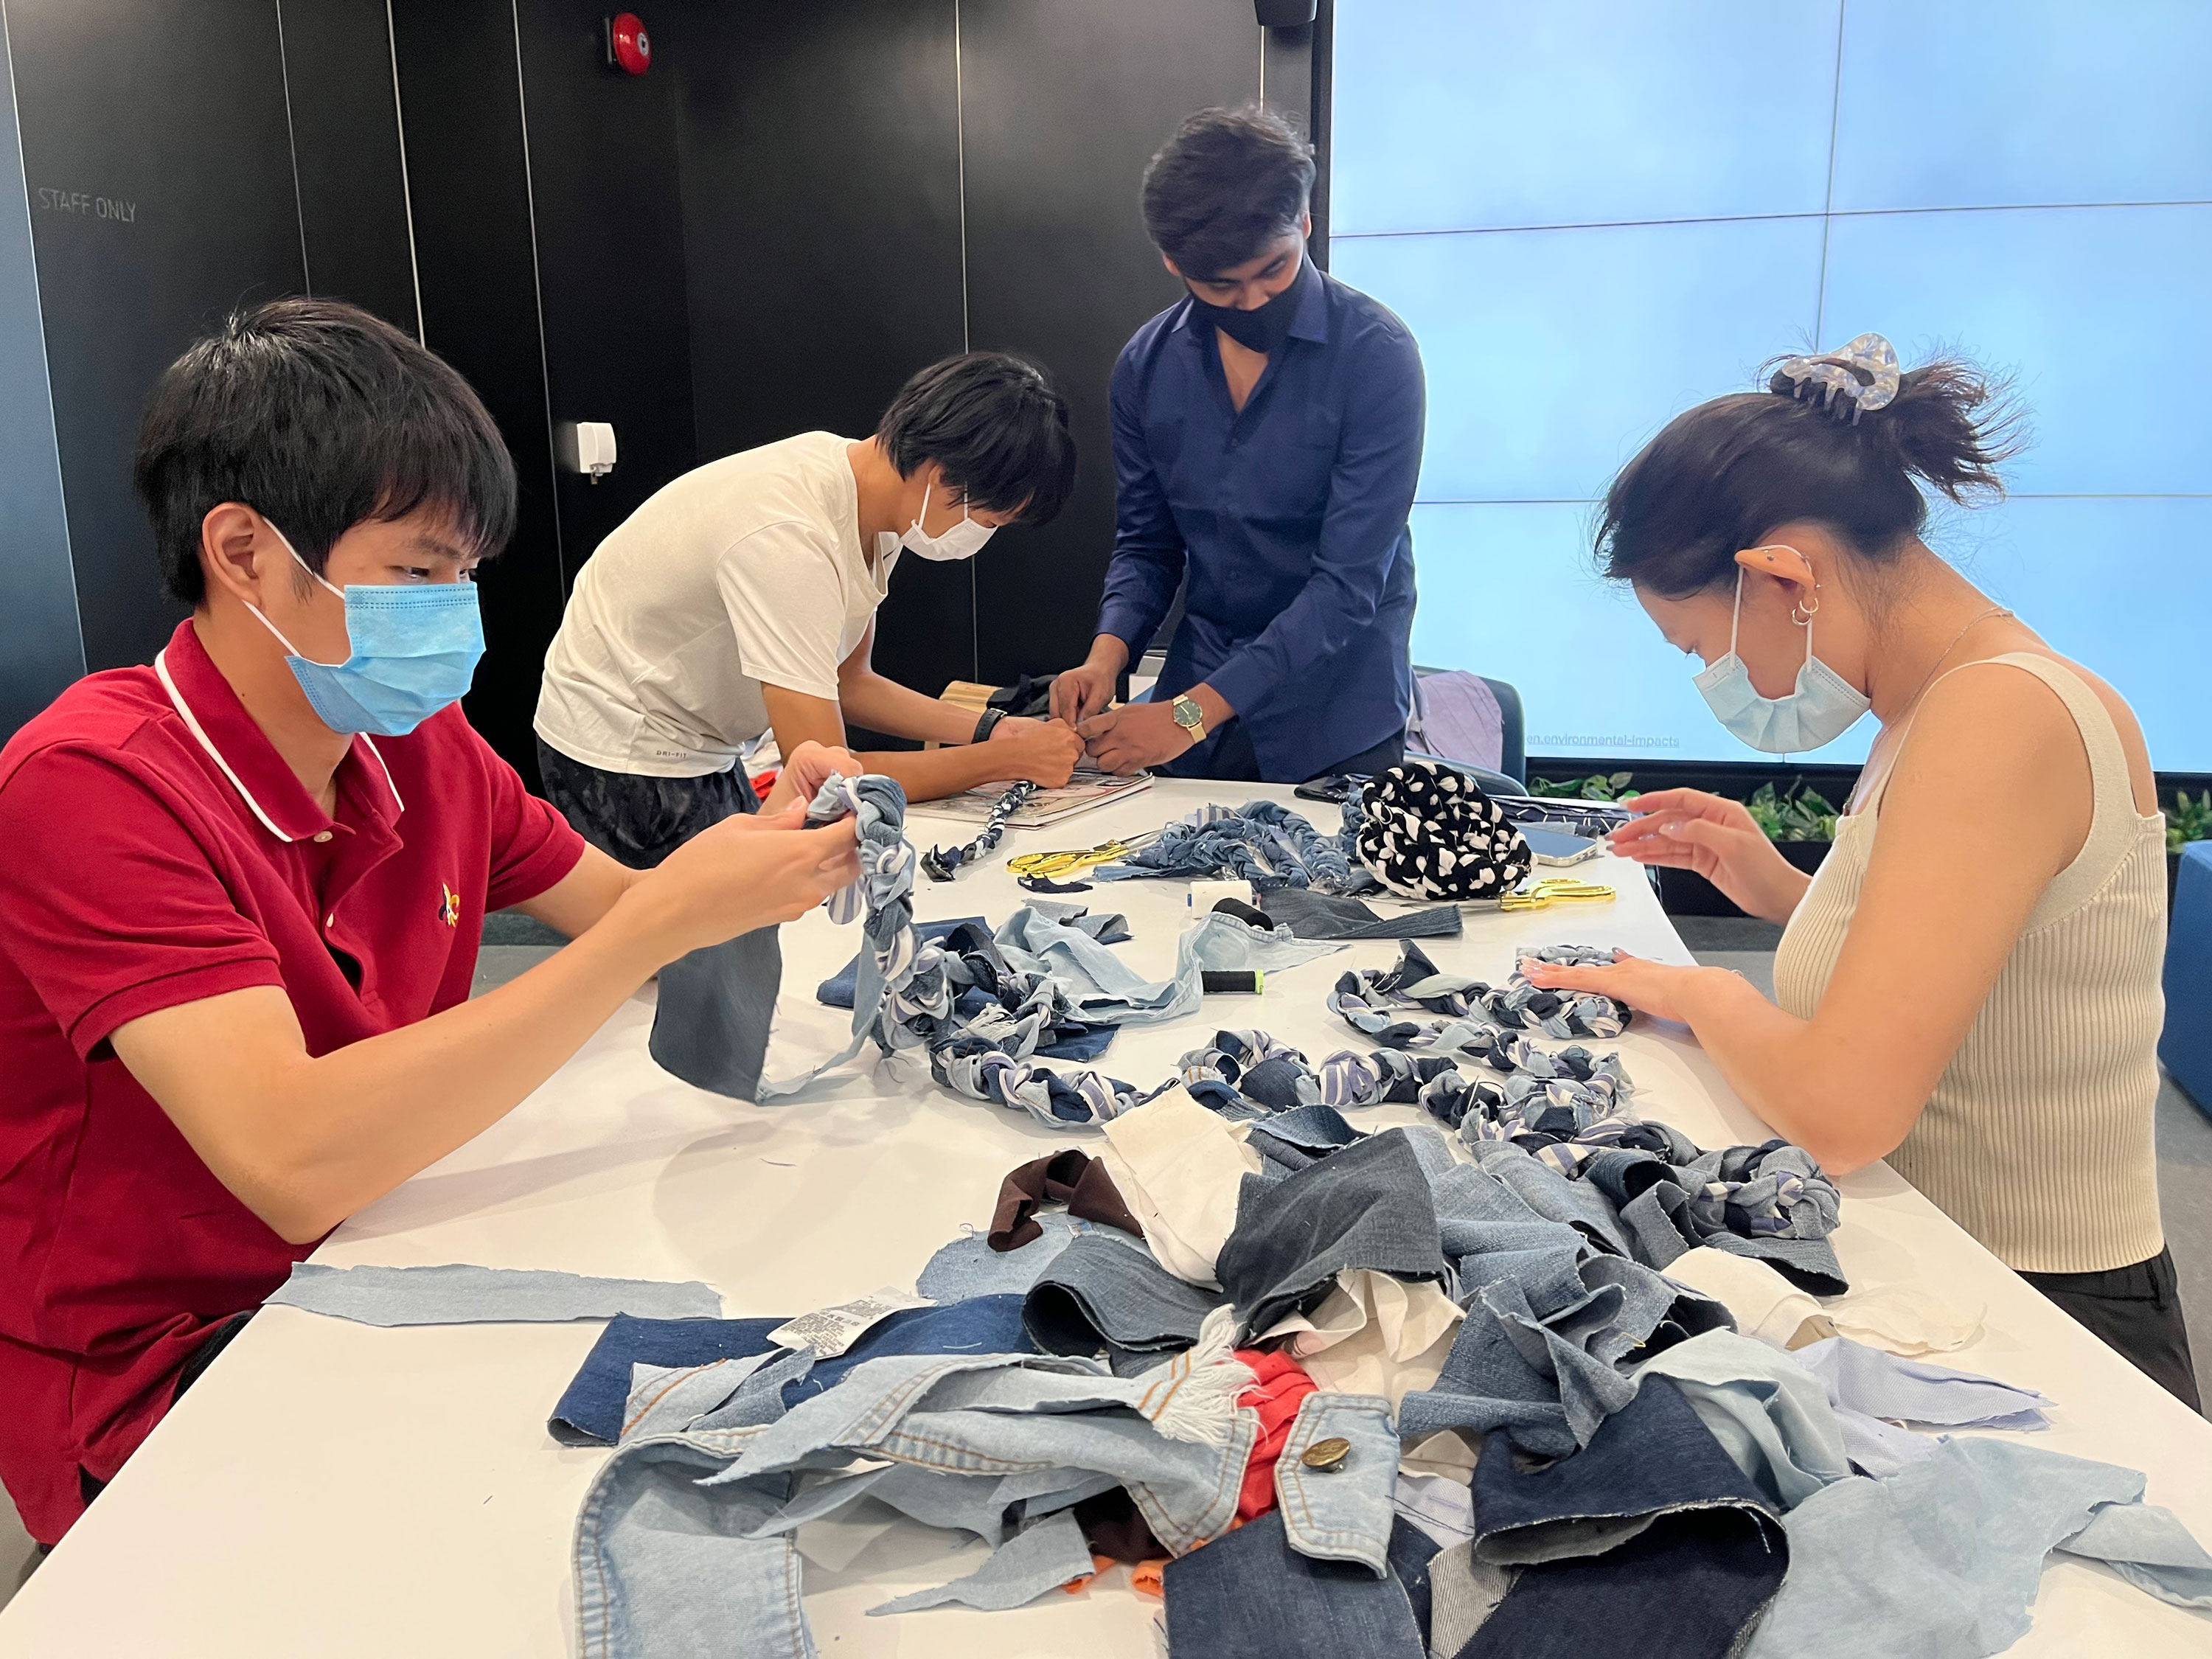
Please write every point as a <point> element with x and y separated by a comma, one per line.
<point>2011,702</point>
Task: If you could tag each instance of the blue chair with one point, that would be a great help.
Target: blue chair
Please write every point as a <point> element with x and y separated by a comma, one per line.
<point>2186,1044</point>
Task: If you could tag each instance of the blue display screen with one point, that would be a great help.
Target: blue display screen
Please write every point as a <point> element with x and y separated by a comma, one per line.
<point>1595,214</point>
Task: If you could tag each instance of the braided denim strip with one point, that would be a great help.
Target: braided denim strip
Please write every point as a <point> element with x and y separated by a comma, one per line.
<point>943,863</point>
<point>1262,841</point>
<point>1367,1000</point>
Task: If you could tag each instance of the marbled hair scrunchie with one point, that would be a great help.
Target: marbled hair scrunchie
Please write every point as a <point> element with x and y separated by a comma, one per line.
<point>1427,831</point>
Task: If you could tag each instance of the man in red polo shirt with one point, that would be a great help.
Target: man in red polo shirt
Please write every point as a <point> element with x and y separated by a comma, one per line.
<point>243,888</point>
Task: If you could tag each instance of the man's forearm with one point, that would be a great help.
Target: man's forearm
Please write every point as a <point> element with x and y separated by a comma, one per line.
<point>319,1138</point>
<point>933,773</point>
<point>884,705</point>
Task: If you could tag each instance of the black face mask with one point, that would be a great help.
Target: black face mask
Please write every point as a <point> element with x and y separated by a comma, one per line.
<point>1264,329</point>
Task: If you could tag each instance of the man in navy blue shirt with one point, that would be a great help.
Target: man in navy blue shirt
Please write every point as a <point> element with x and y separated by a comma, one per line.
<point>1267,440</point>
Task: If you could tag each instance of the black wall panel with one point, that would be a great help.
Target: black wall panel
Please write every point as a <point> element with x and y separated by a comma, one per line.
<point>821,164</point>
<point>460,93</point>
<point>159,169</point>
<point>609,217</point>
<point>1064,103</point>
<point>345,136</point>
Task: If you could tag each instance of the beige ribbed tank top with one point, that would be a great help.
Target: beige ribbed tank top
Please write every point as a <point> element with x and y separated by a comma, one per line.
<point>2038,1138</point>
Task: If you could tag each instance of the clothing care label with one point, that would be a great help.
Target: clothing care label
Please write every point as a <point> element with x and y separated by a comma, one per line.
<point>830,1331</point>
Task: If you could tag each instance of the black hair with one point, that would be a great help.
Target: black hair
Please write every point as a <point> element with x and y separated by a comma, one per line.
<point>1225,185</point>
<point>1720,477</point>
<point>997,426</point>
<point>319,417</point>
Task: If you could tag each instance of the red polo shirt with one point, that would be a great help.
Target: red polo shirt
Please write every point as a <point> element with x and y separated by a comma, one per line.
<point>158,850</point>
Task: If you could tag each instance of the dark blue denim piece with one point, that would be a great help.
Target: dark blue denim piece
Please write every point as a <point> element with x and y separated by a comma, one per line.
<point>1688,1587</point>
<point>1652,1458</point>
<point>710,1019</point>
<point>1072,1040</point>
<point>591,1409</point>
<point>1250,1595</point>
<point>1291,1140</point>
<point>1654,1199</point>
<point>1366,1206</point>
<point>1331,915</point>
<point>1651,1538</point>
<point>1100,1292</point>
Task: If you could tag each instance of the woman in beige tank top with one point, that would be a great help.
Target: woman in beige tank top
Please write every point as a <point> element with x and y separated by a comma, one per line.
<point>1970,992</point>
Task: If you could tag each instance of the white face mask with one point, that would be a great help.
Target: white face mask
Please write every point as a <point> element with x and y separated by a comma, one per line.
<point>964,540</point>
<point>1822,708</point>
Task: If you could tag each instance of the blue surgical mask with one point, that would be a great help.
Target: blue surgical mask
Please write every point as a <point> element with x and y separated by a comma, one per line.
<point>415,651</point>
<point>1822,708</point>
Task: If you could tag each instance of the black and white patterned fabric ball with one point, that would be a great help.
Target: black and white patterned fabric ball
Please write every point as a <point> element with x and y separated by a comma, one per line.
<point>1429,832</point>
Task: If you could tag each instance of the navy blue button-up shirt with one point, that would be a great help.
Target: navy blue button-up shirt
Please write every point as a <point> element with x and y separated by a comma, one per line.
<point>1290,517</point>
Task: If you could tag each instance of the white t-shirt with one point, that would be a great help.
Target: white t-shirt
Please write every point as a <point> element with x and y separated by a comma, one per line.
<point>746,571</point>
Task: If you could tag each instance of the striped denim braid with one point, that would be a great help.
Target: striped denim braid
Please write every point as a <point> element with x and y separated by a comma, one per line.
<point>943,863</point>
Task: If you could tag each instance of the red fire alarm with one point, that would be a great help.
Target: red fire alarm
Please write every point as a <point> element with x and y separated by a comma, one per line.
<point>629,48</point>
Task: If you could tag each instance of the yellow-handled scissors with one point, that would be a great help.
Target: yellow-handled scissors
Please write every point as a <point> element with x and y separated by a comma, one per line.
<point>1556,890</point>
<point>1053,866</point>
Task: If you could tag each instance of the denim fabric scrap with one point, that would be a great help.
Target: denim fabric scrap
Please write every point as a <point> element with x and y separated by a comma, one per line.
<point>1103,989</point>
<point>1345,1513</point>
<point>1251,1596</point>
<point>711,1011</point>
<point>1464,1592</point>
<point>1945,1557</point>
<point>1367,1206</point>
<point>1651,1528</point>
<point>836,991</point>
<point>1100,1292</point>
<point>1261,842</point>
<point>459,1295</point>
<point>591,1408</point>
<point>1770,1202</point>
<point>1900,1390</point>
<point>1311,915</point>
<point>968,1267</point>
<point>1769,1414</point>
<point>1047,1555</point>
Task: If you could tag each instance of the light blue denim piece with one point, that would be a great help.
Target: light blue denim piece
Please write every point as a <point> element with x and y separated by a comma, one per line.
<point>1877,1447</point>
<point>1770,1413</point>
<point>1013,1414</point>
<point>664,1399</point>
<point>1105,991</point>
<point>1902,1390</point>
<point>1942,1559</point>
<point>1049,1555</point>
<point>1554,1196</point>
<point>1550,1315</point>
<point>1345,1513</point>
<point>683,1547</point>
<point>456,1295</point>
<point>968,1267</point>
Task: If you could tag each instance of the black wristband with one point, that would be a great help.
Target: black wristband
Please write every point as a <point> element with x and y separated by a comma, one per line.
<point>987,724</point>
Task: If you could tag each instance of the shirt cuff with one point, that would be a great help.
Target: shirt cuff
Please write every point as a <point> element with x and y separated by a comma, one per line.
<point>1126,622</point>
<point>1242,684</point>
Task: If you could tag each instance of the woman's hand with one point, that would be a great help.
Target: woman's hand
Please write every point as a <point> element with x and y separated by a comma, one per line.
<point>805,769</point>
<point>1690,829</point>
<point>1650,987</point>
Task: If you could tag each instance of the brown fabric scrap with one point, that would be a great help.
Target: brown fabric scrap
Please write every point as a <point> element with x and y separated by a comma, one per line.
<point>1072,1178</point>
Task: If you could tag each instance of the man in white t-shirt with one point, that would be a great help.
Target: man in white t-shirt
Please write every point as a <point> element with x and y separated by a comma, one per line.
<point>741,597</point>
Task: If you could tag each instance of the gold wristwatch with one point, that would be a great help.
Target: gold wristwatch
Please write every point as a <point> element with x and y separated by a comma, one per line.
<point>1190,716</point>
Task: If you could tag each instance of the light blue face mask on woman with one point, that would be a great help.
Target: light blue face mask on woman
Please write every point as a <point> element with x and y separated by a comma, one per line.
<point>415,651</point>
<point>1822,708</point>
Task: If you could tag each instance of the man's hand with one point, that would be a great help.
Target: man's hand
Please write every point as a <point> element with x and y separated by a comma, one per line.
<point>1084,692</point>
<point>1043,751</point>
<point>1134,736</point>
<point>805,769</point>
<point>745,873</point>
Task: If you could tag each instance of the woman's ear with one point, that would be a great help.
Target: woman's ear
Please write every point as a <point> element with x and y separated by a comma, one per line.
<point>1786,565</point>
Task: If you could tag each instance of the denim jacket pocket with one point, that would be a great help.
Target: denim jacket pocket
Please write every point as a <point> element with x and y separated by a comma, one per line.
<point>1340,1510</point>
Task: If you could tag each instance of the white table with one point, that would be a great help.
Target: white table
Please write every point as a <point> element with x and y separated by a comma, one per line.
<point>334,1489</point>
